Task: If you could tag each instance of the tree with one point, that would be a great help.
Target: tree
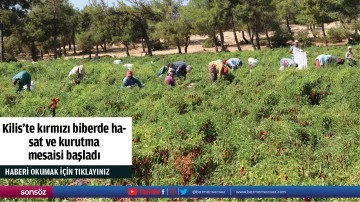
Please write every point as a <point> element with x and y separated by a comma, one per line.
<point>233,25</point>
<point>84,38</point>
<point>122,27</point>
<point>141,13</point>
<point>56,19</point>
<point>319,12</point>
<point>30,32</point>
<point>210,17</point>
<point>175,28</point>
<point>47,22</point>
<point>85,41</point>
<point>220,13</point>
<point>69,28</point>
<point>237,22</point>
<point>52,17</point>
<point>98,12</point>
<point>270,20</point>
<point>199,11</point>
<point>349,12</point>
<point>186,27</point>
<point>254,13</point>
<point>285,10</point>
<point>9,9</point>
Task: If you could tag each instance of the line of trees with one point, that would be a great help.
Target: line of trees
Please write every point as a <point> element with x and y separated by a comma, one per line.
<point>55,27</point>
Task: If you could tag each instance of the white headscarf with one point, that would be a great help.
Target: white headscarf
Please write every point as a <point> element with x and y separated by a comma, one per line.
<point>81,69</point>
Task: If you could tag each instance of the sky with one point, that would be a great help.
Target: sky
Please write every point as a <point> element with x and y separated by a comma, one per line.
<point>80,4</point>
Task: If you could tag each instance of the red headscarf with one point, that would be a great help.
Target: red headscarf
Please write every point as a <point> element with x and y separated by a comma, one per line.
<point>225,70</point>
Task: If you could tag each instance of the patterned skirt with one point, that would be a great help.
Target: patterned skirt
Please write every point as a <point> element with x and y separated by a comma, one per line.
<point>212,73</point>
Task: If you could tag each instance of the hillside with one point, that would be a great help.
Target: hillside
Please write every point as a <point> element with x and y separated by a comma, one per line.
<point>274,128</point>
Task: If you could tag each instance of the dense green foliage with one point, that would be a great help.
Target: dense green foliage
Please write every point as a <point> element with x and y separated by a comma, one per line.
<point>56,28</point>
<point>275,128</point>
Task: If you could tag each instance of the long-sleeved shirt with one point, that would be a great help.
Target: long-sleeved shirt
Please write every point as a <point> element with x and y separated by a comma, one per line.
<point>77,71</point>
<point>325,59</point>
<point>286,62</point>
<point>130,82</point>
<point>218,65</point>
<point>180,68</point>
<point>349,55</point>
<point>291,50</point>
<point>234,63</point>
<point>24,78</point>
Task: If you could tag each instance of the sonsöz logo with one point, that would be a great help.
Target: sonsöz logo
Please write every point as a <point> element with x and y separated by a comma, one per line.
<point>31,192</point>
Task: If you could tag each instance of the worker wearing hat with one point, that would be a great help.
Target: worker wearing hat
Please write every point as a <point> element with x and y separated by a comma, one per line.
<point>130,81</point>
<point>297,45</point>
<point>217,69</point>
<point>77,74</point>
<point>350,57</point>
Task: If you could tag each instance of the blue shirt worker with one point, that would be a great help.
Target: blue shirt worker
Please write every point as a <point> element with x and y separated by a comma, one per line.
<point>23,78</point>
<point>181,68</point>
<point>322,60</point>
<point>130,81</point>
<point>234,63</point>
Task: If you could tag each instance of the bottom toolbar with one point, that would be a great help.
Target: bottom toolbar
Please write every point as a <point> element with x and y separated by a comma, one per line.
<point>179,191</point>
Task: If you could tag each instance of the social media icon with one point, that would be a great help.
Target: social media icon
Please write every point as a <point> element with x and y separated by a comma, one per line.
<point>172,192</point>
<point>183,192</point>
<point>163,192</point>
<point>132,191</point>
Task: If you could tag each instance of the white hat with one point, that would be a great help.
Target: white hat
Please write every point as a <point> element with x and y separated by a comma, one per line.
<point>81,69</point>
<point>188,68</point>
<point>296,41</point>
<point>349,47</point>
<point>252,61</point>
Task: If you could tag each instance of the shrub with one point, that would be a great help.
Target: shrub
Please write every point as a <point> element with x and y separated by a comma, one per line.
<point>315,33</point>
<point>303,36</point>
<point>355,39</point>
<point>271,128</point>
<point>337,34</point>
<point>208,43</point>
<point>281,37</point>
<point>263,42</point>
<point>158,45</point>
